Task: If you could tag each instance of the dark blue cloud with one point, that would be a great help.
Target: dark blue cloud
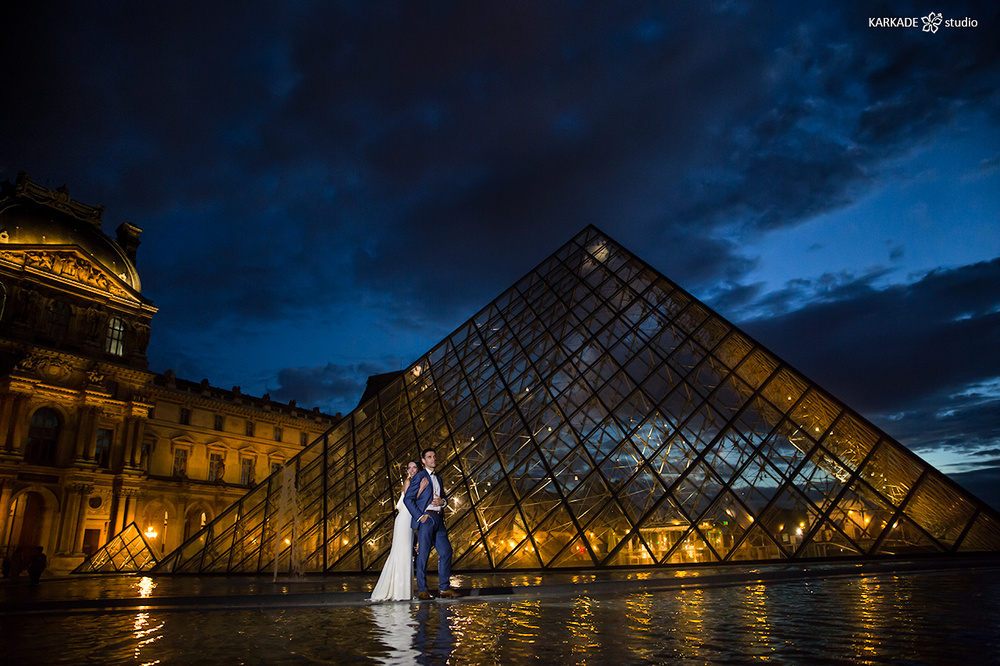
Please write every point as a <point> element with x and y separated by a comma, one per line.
<point>293,163</point>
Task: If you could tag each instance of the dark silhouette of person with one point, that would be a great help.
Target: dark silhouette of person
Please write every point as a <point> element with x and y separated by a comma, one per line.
<point>36,565</point>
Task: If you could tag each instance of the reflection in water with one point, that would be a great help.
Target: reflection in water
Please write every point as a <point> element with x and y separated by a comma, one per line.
<point>868,612</point>
<point>145,635</point>
<point>396,631</point>
<point>434,641</point>
<point>690,616</point>
<point>145,586</point>
<point>583,633</point>
<point>757,629</point>
<point>948,617</point>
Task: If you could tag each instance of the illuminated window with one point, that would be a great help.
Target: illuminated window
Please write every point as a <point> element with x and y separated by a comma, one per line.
<point>43,437</point>
<point>249,428</point>
<point>247,476</point>
<point>277,433</point>
<point>185,416</point>
<point>219,420</point>
<point>216,467</point>
<point>180,463</point>
<point>102,449</point>
<point>114,343</point>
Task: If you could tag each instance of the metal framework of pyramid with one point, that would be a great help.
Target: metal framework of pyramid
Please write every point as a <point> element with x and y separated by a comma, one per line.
<point>597,415</point>
<point>126,552</point>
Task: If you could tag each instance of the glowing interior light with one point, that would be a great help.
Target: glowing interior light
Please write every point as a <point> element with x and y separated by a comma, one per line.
<point>288,542</point>
<point>150,532</point>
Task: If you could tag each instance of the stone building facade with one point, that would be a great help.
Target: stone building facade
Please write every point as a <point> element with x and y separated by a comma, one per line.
<point>90,439</point>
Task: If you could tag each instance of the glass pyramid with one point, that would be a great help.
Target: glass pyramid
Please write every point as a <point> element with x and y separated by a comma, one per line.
<point>597,415</point>
<point>126,552</point>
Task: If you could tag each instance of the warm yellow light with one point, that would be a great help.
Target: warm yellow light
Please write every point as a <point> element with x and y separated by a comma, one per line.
<point>288,542</point>
<point>345,542</point>
<point>150,532</point>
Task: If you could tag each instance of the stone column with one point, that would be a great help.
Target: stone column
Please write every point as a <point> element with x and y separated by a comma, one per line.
<point>6,422</point>
<point>81,518</point>
<point>15,429</point>
<point>86,438</point>
<point>5,494</point>
<point>134,436</point>
<point>130,508</point>
<point>71,502</point>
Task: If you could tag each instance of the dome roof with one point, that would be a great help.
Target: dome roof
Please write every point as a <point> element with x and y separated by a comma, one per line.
<point>24,220</point>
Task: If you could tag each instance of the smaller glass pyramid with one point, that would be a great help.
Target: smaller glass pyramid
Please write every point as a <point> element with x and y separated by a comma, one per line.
<point>597,415</point>
<point>126,552</point>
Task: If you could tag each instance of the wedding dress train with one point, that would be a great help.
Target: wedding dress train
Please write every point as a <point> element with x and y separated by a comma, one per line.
<point>396,581</point>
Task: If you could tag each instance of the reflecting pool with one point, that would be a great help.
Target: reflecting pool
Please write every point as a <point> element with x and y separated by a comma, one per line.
<point>947,617</point>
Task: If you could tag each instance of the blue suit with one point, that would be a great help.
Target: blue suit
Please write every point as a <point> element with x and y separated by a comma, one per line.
<point>431,532</point>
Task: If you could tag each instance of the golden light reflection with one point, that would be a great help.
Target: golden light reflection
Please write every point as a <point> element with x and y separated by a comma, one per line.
<point>691,621</point>
<point>145,586</point>
<point>145,635</point>
<point>755,615</point>
<point>582,630</point>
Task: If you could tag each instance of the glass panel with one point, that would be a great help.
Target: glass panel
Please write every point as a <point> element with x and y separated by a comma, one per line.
<point>783,390</point>
<point>939,509</point>
<point>984,535</point>
<point>905,538</point>
<point>891,472</point>
<point>814,413</point>
<point>850,440</point>
<point>757,545</point>
<point>692,549</point>
<point>724,524</point>
<point>631,553</point>
<point>862,515</point>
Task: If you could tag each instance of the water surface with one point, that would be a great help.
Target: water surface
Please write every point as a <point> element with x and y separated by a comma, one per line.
<point>948,617</point>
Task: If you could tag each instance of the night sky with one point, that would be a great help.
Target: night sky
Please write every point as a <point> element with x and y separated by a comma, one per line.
<point>327,189</point>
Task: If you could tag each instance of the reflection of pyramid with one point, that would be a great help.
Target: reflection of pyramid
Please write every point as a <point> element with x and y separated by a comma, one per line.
<point>597,415</point>
<point>126,552</point>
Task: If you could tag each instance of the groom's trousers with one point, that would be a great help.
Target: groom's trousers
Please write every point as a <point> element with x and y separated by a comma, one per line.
<point>432,534</point>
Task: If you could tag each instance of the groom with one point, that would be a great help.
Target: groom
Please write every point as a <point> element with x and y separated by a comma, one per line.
<point>425,499</point>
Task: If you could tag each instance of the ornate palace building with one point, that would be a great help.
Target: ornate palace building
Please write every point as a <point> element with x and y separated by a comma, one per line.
<point>90,439</point>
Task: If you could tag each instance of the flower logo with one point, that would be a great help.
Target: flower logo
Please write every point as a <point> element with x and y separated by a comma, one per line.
<point>932,22</point>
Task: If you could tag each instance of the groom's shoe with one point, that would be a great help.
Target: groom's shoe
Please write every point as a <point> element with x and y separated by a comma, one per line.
<point>424,595</point>
<point>449,594</point>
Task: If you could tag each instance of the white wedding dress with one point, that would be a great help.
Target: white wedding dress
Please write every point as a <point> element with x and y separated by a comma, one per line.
<point>396,581</point>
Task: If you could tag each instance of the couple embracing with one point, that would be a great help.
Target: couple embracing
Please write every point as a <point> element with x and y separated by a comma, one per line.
<point>420,508</point>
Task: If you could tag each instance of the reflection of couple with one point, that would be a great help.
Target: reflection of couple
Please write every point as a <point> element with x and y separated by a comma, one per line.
<point>420,508</point>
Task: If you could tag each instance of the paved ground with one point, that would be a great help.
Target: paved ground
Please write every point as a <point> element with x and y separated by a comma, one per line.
<point>102,593</point>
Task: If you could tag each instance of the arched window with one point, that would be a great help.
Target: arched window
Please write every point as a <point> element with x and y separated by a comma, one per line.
<point>114,343</point>
<point>57,320</point>
<point>43,437</point>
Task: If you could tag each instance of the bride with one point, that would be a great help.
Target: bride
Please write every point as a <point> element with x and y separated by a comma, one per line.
<point>396,581</point>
